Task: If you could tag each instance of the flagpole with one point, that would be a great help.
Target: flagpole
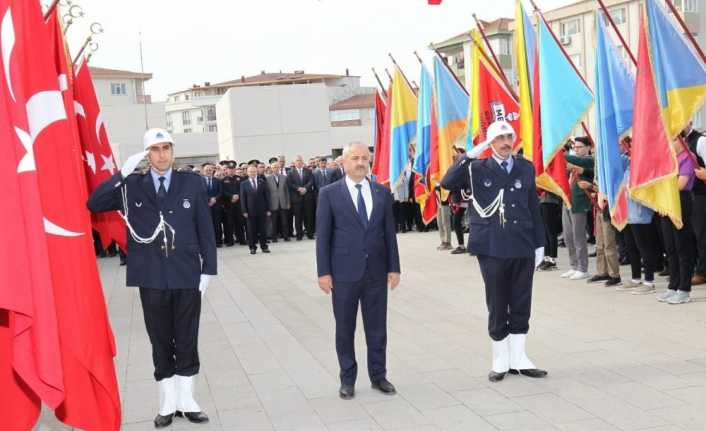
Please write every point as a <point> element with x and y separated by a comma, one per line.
<point>419,58</point>
<point>620,35</point>
<point>49,11</point>
<point>401,72</point>
<point>377,78</point>
<point>690,36</point>
<point>492,52</point>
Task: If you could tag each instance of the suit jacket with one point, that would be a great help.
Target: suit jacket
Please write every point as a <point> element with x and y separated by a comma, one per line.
<point>344,248</point>
<point>279,192</point>
<point>319,181</point>
<point>216,189</point>
<point>254,202</point>
<point>336,175</point>
<point>294,181</point>
<point>523,231</point>
<point>185,209</point>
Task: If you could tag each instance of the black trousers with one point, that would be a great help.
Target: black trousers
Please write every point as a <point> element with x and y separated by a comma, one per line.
<point>457,223</point>
<point>310,214</point>
<point>508,294</point>
<point>298,212</point>
<point>640,240</point>
<point>551,214</point>
<point>172,322</point>
<point>280,223</point>
<point>679,247</point>
<point>371,293</point>
<point>228,224</point>
<point>256,231</point>
<point>217,217</point>
<point>238,224</point>
<point>404,215</point>
<point>698,220</point>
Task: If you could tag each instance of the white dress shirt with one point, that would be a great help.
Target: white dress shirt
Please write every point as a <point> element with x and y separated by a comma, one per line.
<point>367,194</point>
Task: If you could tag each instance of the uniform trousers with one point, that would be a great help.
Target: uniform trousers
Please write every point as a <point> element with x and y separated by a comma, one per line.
<point>172,323</point>
<point>508,294</point>
<point>228,224</point>
<point>371,293</point>
<point>217,216</point>
<point>457,222</point>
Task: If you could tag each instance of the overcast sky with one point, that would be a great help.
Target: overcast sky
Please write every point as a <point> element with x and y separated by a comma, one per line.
<point>188,42</point>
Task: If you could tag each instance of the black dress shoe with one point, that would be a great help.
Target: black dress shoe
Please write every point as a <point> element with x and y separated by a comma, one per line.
<point>243,243</point>
<point>265,250</point>
<point>230,244</point>
<point>299,238</point>
<point>346,392</point>
<point>193,417</point>
<point>535,373</point>
<point>163,421</point>
<point>253,251</point>
<point>384,386</point>
<point>219,245</point>
<point>274,240</point>
<point>495,377</point>
<point>287,239</point>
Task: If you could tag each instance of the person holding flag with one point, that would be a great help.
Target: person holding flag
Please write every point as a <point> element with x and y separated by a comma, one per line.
<point>507,236</point>
<point>171,271</point>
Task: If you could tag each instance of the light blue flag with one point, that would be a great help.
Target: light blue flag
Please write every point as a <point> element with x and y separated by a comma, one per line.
<point>422,154</point>
<point>564,97</point>
<point>615,98</point>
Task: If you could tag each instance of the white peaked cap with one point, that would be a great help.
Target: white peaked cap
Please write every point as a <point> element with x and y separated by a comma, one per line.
<point>500,128</point>
<point>156,136</point>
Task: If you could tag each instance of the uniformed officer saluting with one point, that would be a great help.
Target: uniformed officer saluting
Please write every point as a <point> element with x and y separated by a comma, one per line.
<point>171,255</point>
<point>507,236</point>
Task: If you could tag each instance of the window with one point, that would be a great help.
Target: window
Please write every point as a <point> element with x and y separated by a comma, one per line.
<point>186,97</point>
<point>118,88</point>
<point>570,27</point>
<point>186,118</point>
<point>221,90</point>
<point>690,6</point>
<point>619,15</point>
<point>211,113</point>
<point>345,115</point>
<point>500,46</point>
<point>212,128</point>
<point>197,94</point>
<point>187,130</point>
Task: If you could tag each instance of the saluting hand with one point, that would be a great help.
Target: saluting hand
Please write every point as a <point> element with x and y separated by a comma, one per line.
<point>393,279</point>
<point>326,284</point>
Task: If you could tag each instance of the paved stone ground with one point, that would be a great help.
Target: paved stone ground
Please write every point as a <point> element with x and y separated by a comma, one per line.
<point>616,361</point>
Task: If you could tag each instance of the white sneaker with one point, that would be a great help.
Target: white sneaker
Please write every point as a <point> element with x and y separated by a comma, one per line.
<point>680,297</point>
<point>568,273</point>
<point>579,275</point>
<point>666,295</point>
<point>629,286</point>
<point>646,288</point>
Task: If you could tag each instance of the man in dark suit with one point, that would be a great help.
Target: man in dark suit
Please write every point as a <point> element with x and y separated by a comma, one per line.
<point>337,169</point>
<point>507,236</point>
<point>255,203</point>
<point>214,191</point>
<point>357,259</point>
<point>301,186</point>
<point>172,270</point>
<point>322,175</point>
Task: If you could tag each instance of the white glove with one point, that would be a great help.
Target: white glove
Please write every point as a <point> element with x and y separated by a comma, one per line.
<point>478,150</point>
<point>538,257</point>
<point>131,163</point>
<point>203,284</point>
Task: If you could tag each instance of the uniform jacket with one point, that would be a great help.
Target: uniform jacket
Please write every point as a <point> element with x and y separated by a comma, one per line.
<point>185,209</point>
<point>343,246</point>
<point>230,186</point>
<point>254,202</point>
<point>279,192</point>
<point>295,181</point>
<point>523,232</point>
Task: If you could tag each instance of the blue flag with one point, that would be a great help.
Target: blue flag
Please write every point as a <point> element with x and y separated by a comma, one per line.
<point>422,155</point>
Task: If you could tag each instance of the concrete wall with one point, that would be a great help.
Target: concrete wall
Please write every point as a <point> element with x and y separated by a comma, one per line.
<point>195,145</point>
<point>125,125</point>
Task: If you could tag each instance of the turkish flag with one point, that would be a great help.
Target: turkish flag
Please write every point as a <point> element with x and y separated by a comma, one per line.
<point>434,2</point>
<point>98,155</point>
<point>92,398</point>
<point>30,356</point>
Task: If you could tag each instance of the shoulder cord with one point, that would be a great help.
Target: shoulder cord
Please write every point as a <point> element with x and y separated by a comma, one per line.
<point>162,226</point>
<point>496,206</point>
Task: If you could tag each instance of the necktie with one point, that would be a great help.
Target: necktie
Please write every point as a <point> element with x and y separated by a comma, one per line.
<point>162,191</point>
<point>254,184</point>
<point>276,179</point>
<point>324,171</point>
<point>362,211</point>
<point>504,165</point>
<point>301,175</point>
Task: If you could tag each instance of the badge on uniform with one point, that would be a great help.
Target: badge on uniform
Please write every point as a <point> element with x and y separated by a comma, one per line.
<point>518,184</point>
<point>186,204</point>
<point>138,204</point>
<point>487,183</point>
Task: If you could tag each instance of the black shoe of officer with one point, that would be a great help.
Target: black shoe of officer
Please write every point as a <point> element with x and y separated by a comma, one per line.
<point>193,417</point>
<point>346,392</point>
<point>253,251</point>
<point>495,377</point>
<point>535,373</point>
<point>265,250</point>
<point>163,421</point>
<point>384,386</point>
